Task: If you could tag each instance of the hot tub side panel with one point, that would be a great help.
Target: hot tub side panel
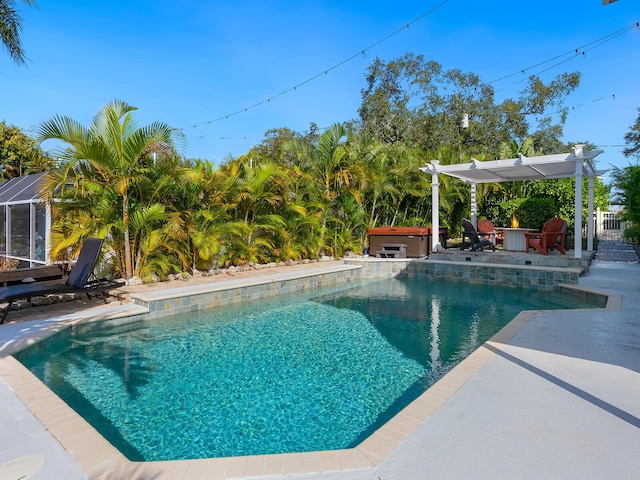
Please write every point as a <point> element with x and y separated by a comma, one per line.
<point>417,244</point>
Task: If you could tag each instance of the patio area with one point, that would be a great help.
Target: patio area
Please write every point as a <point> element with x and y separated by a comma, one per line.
<point>553,395</point>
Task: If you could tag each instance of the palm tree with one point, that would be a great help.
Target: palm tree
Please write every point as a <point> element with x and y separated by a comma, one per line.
<point>199,205</point>
<point>413,203</point>
<point>303,211</point>
<point>626,181</point>
<point>111,157</point>
<point>260,189</point>
<point>10,28</point>
<point>331,168</point>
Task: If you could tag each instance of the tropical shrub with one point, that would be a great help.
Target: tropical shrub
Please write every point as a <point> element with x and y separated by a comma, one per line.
<point>632,234</point>
<point>534,212</point>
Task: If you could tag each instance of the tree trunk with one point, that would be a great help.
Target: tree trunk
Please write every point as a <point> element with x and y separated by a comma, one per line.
<point>127,244</point>
<point>373,211</point>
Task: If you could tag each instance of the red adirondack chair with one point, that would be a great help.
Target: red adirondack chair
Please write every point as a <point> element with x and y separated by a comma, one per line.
<point>551,237</point>
<point>487,230</point>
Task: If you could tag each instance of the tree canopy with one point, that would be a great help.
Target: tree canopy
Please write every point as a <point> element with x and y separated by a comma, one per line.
<point>19,153</point>
<point>632,137</point>
<point>626,183</point>
<point>417,102</point>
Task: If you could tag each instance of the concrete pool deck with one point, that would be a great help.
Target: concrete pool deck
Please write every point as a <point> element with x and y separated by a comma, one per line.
<point>554,395</point>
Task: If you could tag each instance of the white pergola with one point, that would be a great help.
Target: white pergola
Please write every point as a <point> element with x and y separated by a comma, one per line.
<point>577,164</point>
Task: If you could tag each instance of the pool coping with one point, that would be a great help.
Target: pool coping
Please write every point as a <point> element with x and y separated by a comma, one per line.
<point>96,456</point>
<point>233,283</point>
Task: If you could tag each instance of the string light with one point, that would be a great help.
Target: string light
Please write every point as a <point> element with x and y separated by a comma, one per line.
<point>573,107</point>
<point>326,72</point>
<point>321,129</point>
<point>580,51</point>
<point>574,53</point>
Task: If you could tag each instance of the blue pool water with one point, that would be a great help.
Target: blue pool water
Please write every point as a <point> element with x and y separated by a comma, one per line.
<point>319,370</point>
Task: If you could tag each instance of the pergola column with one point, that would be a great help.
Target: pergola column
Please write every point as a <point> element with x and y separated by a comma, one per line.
<point>474,206</point>
<point>577,228</point>
<point>435,218</point>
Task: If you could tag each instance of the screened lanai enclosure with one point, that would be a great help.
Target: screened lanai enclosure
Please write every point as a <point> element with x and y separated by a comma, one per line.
<point>25,222</point>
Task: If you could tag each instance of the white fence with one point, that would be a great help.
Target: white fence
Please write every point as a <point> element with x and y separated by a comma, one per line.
<point>608,226</point>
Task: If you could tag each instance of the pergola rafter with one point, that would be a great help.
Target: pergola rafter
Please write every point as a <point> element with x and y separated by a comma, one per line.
<point>577,164</point>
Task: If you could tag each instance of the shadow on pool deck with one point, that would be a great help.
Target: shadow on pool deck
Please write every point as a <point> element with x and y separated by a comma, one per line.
<point>558,399</point>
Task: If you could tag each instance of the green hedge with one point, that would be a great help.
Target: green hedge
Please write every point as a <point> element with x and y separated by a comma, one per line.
<point>530,212</point>
<point>632,234</point>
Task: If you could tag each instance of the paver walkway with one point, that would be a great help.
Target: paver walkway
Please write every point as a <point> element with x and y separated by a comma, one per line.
<point>616,251</point>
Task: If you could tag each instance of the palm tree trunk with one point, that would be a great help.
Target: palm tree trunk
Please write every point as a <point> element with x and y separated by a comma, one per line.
<point>373,211</point>
<point>323,229</point>
<point>395,216</point>
<point>127,244</point>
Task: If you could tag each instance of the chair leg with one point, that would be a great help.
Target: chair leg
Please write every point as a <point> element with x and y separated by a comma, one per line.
<point>538,246</point>
<point>559,248</point>
<point>99,294</point>
<point>5,312</point>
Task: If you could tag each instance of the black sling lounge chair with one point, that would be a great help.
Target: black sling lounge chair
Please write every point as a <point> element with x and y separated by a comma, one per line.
<point>77,281</point>
<point>474,243</point>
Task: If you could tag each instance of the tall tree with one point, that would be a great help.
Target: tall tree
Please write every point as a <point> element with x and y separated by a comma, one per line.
<point>626,180</point>
<point>632,137</point>
<point>11,28</point>
<point>271,148</point>
<point>111,157</point>
<point>415,101</point>
<point>19,153</point>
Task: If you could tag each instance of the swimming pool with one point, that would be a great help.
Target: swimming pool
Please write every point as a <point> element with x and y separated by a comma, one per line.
<point>321,371</point>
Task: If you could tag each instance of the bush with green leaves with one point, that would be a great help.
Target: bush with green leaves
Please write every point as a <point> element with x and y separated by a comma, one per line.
<point>530,212</point>
<point>632,234</point>
<point>534,212</point>
<point>506,211</point>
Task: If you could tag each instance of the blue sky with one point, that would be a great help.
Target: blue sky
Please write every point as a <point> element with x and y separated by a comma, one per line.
<point>188,62</point>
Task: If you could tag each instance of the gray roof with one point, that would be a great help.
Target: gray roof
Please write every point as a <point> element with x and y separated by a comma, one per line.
<point>21,189</point>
